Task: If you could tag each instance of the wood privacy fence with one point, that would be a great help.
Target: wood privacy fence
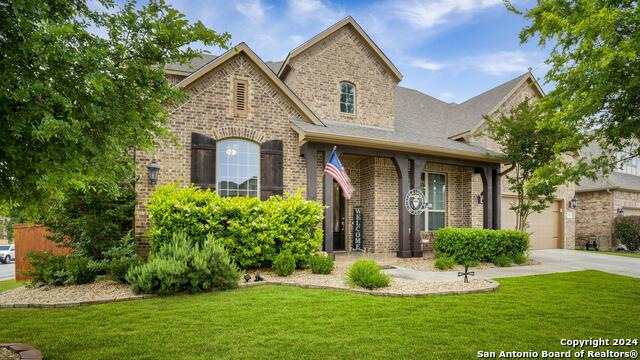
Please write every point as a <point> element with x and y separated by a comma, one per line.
<point>30,238</point>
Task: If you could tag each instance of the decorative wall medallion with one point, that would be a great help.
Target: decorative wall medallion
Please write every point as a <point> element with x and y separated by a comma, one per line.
<point>415,202</point>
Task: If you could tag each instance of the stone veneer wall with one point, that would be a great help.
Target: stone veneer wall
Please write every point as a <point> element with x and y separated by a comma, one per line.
<point>316,73</point>
<point>209,111</point>
<point>594,216</point>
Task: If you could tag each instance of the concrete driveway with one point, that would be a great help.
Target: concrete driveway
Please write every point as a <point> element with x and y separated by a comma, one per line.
<point>7,271</point>
<point>552,261</point>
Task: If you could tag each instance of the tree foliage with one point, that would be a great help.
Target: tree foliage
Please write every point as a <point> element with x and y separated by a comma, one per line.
<point>81,87</point>
<point>539,159</point>
<point>595,67</point>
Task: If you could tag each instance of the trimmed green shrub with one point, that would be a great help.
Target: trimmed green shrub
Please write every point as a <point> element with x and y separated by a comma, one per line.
<point>321,264</point>
<point>479,245</point>
<point>120,258</point>
<point>444,263</point>
<point>284,264</point>
<point>520,259</point>
<point>252,231</point>
<point>54,270</point>
<point>626,231</point>
<point>503,261</point>
<point>80,270</point>
<point>181,265</point>
<point>366,273</point>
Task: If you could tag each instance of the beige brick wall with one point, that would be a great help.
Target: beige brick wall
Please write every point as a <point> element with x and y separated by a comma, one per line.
<point>209,111</point>
<point>344,56</point>
<point>594,216</point>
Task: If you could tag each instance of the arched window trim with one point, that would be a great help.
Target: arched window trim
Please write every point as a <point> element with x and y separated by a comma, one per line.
<point>219,163</point>
<point>355,95</point>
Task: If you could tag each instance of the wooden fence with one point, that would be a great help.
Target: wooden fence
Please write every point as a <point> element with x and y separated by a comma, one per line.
<point>29,238</point>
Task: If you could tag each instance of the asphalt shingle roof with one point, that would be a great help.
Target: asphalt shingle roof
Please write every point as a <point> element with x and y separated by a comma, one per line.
<point>195,64</point>
<point>615,181</point>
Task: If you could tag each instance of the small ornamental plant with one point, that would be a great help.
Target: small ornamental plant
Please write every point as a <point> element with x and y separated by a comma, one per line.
<point>321,264</point>
<point>366,273</point>
<point>503,261</point>
<point>444,263</point>
<point>284,264</point>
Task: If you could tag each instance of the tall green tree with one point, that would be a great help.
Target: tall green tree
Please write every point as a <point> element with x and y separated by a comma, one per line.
<point>595,67</point>
<point>81,87</point>
<point>539,160</point>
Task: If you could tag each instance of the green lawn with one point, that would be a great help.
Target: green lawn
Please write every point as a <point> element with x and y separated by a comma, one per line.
<point>9,284</point>
<point>284,322</point>
<point>616,253</point>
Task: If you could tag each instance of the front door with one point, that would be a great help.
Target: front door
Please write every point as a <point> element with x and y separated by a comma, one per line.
<point>338,218</point>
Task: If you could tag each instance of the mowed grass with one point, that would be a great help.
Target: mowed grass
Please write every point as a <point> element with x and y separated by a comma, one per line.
<point>616,253</point>
<point>526,313</point>
<point>9,284</point>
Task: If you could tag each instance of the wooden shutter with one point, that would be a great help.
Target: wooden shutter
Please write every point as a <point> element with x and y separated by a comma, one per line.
<point>271,169</point>
<point>203,161</point>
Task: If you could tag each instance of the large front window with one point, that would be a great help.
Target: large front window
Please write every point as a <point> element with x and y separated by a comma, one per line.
<point>347,98</point>
<point>436,196</point>
<point>237,167</point>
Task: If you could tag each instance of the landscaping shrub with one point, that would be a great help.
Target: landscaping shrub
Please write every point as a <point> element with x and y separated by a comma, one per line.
<point>284,264</point>
<point>252,231</point>
<point>120,258</point>
<point>54,270</point>
<point>503,261</point>
<point>520,259</point>
<point>479,245</point>
<point>182,265</point>
<point>366,273</point>
<point>80,270</point>
<point>321,264</point>
<point>626,231</point>
<point>444,263</point>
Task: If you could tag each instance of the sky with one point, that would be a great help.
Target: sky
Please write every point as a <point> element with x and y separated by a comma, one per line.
<point>449,49</point>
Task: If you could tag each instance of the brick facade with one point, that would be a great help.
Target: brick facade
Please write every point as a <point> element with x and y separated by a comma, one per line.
<point>344,56</point>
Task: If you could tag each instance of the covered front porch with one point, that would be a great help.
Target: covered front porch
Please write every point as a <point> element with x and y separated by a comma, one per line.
<point>382,178</point>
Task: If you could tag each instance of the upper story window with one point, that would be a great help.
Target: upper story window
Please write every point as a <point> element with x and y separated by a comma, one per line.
<point>347,98</point>
<point>238,168</point>
<point>630,166</point>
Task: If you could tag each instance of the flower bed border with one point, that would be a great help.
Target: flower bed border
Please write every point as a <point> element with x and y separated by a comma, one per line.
<point>24,351</point>
<point>76,303</point>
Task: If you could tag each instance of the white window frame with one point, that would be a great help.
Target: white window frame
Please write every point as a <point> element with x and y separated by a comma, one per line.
<point>426,194</point>
<point>218,162</point>
<point>340,98</point>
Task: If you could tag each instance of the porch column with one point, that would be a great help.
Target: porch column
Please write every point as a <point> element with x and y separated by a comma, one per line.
<point>402,167</point>
<point>486,174</point>
<point>497,199</point>
<point>310,154</point>
<point>416,240</point>
<point>327,198</point>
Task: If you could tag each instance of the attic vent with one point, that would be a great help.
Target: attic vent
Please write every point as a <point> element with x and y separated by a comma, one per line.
<point>240,97</point>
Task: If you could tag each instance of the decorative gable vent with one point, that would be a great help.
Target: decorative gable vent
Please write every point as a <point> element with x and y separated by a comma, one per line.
<point>240,97</point>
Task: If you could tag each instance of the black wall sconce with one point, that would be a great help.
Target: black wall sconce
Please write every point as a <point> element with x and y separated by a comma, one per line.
<point>620,211</point>
<point>480,197</point>
<point>573,203</point>
<point>154,169</point>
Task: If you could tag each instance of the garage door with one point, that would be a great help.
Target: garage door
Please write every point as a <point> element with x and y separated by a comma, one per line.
<point>545,228</point>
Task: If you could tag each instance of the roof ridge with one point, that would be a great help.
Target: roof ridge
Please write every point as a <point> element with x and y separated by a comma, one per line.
<point>519,77</point>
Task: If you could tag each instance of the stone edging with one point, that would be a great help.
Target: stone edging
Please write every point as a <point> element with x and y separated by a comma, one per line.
<point>493,287</point>
<point>77,303</point>
<point>24,351</point>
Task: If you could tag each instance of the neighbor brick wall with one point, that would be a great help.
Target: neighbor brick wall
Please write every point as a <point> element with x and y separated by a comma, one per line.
<point>594,216</point>
<point>315,75</point>
<point>208,110</point>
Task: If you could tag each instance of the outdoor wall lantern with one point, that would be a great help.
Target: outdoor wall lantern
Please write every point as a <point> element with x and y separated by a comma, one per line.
<point>480,197</point>
<point>620,211</point>
<point>154,169</point>
<point>573,203</point>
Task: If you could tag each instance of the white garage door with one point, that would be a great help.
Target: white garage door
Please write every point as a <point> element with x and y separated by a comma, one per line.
<point>545,228</point>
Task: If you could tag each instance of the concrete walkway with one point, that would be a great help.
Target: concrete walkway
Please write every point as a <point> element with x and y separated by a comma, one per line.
<point>552,261</point>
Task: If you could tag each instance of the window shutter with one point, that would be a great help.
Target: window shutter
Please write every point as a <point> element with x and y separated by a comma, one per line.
<point>271,169</point>
<point>203,161</point>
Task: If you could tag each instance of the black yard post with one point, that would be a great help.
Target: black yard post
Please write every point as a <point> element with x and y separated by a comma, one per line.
<point>402,167</point>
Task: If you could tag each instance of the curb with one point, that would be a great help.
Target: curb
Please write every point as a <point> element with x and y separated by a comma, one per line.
<point>76,303</point>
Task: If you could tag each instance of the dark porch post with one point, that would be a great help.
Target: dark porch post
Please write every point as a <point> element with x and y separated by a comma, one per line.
<point>310,154</point>
<point>416,240</point>
<point>328,211</point>
<point>497,199</point>
<point>402,167</point>
<point>486,174</point>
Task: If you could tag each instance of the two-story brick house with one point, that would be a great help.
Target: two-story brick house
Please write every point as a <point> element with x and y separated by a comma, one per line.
<point>254,128</point>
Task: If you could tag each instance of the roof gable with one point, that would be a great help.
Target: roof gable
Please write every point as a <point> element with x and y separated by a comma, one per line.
<point>348,21</point>
<point>244,48</point>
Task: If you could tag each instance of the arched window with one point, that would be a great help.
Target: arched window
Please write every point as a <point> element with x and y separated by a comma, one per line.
<point>238,168</point>
<point>347,98</point>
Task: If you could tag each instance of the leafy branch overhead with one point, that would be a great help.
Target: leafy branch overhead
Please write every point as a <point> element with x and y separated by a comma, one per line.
<point>82,87</point>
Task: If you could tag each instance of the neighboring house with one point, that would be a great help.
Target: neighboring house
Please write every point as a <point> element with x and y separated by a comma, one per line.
<point>251,128</point>
<point>600,202</point>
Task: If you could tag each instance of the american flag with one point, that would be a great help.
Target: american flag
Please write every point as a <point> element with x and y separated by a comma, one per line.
<point>335,169</point>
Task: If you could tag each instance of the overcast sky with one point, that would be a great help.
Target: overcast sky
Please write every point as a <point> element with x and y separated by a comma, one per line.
<point>450,49</point>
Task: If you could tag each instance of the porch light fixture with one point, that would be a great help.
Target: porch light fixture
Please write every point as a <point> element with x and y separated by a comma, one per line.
<point>480,197</point>
<point>154,169</point>
<point>573,203</point>
<point>620,211</point>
